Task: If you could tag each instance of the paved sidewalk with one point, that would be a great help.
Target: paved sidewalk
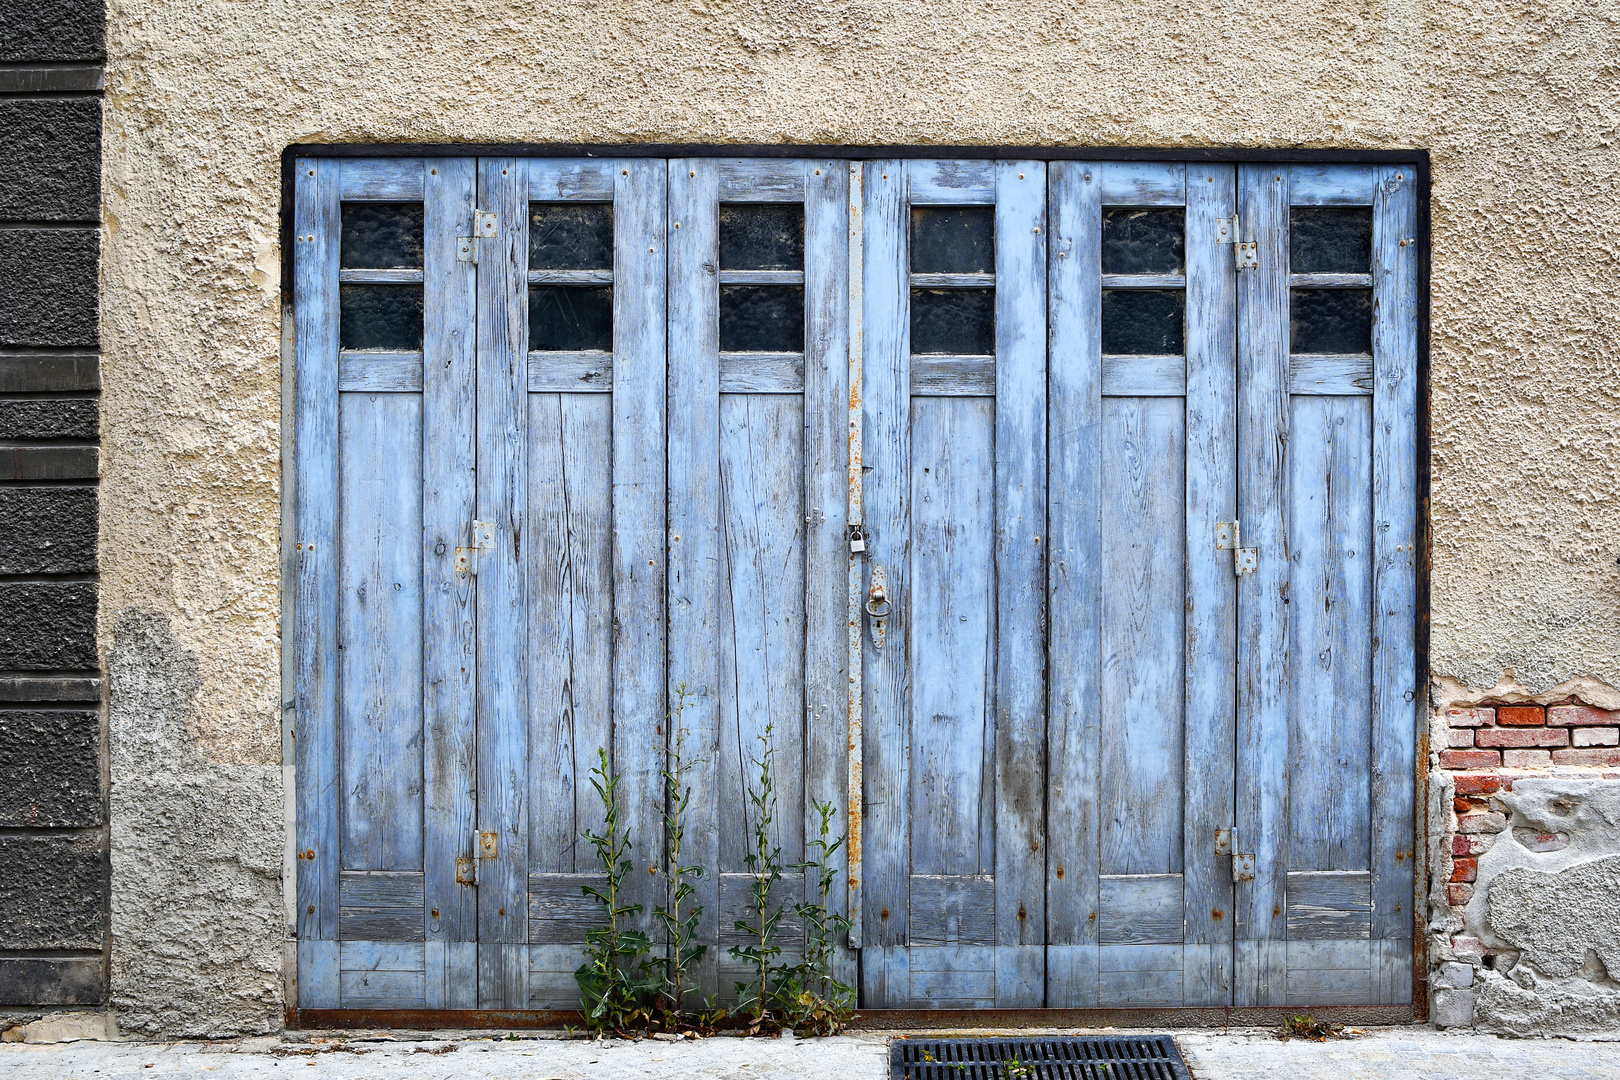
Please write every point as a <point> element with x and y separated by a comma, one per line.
<point>1384,1054</point>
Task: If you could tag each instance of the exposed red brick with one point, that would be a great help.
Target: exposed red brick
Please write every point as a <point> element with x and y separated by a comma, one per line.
<point>1607,755</point>
<point>1459,894</point>
<point>1582,716</point>
<point>1526,759</point>
<point>1523,737</point>
<point>1477,783</point>
<point>1596,736</point>
<point>1462,845</point>
<point>1469,759</point>
<point>1470,717</point>
<point>1521,715</point>
<point>1464,869</point>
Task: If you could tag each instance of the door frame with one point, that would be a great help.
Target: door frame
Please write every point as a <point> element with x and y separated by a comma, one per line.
<point>1416,158</point>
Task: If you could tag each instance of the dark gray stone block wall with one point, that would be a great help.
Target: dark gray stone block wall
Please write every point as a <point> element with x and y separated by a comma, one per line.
<point>53,826</point>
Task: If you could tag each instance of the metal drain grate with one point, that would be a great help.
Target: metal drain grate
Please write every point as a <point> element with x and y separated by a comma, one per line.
<point>1089,1057</point>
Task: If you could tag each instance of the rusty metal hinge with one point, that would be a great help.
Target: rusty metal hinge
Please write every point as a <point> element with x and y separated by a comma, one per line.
<point>483,537</point>
<point>488,845</point>
<point>1245,256</point>
<point>1229,537</point>
<point>1223,841</point>
<point>1243,866</point>
<point>466,870</point>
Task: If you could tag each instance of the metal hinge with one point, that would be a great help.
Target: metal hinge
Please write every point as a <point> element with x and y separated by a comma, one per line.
<point>486,226</point>
<point>1228,537</point>
<point>1243,866</point>
<point>483,540</point>
<point>488,845</point>
<point>1245,256</point>
<point>1223,841</point>
<point>466,870</point>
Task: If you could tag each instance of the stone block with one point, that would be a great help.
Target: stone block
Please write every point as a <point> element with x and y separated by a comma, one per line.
<point>50,293</point>
<point>52,892</point>
<point>50,159</point>
<point>48,530</point>
<point>47,626</point>
<point>1595,736</point>
<point>34,32</point>
<point>1454,976</point>
<point>52,982</point>
<point>46,418</point>
<point>50,768</point>
<point>1481,823</point>
<point>1452,1009</point>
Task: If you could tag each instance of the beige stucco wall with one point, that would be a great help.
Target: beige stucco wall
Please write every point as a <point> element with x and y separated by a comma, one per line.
<point>1518,104</point>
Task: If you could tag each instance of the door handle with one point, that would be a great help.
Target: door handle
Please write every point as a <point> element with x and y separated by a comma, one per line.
<point>878,605</point>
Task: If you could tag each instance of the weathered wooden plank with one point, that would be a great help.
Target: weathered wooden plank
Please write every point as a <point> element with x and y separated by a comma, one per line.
<point>1142,183</point>
<point>381,924</point>
<point>1330,527</point>
<point>1329,972</point>
<point>380,277</point>
<point>953,183</point>
<point>1332,185</point>
<point>953,977</point>
<point>736,904</point>
<point>1392,971</point>
<point>559,911</point>
<point>380,630</point>
<point>1396,685</point>
<point>315,582</point>
<point>380,179</point>
<point>572,180</point>
<point>571,373</point>
<point>1074,581</point>
<point>639,373</point>
<point>953,376</point>
<point>380,956</point>
<point>570,623</point>
<point>1020,567</point>
<point>763,277</point>
<point>1330,281</point>
<point>886,487</point>
<point>1140,976</point>
<point>380,889</point>
<point>826,550</point>
<point>449,638</point>
<point>1144,376</point>
<point>953,727</point>
<point>1211,586</point>
<point>570,277</point>
<point>761,624</point>
<point>502,681</point>
<point>380,373</point>
<point>694,523</point>
<point>1144,281</point>
<point>760,180</point>
<point>1347,376</point>
<point>384,990</point>
<point>451,974</point>
<point>1329,906</point>
<point>761,373</point>
<point>1140,909</point>
<point>1263,645</point>
<point>953,909</point>
<point>551,976</point>
<point>1143,635</point>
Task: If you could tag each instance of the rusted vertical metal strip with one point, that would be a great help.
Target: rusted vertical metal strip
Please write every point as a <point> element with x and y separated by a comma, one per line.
<point>856,527</point>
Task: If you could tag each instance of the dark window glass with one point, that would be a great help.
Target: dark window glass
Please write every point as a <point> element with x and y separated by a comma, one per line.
<point>762,318</point>
<point>380,317</point>
<point>953,240</point>
<point>1143,322</point>
<point>953,321</point>
<point>1330,240</point>
<point>381,236</point>
<point>1330,321</point>
<point>762,236</point>
<point>567,318</point>
<point>570,236</point>
<point>1136,241</point>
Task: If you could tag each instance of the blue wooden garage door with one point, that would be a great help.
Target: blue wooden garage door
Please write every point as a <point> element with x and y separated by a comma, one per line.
<point>1131,719</point>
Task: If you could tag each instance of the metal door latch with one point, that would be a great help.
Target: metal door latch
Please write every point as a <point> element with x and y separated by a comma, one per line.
<point>878,605</point>
<point>483,540</point>
<point>1229,537</point>
<point>857,540</point>
<point>1245,256</point>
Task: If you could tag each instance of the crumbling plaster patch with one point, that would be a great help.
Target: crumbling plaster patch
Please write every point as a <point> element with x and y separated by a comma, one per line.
<point>1518,105</point>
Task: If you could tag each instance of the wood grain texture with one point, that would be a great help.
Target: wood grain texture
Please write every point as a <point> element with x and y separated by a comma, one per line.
<point>953,725</point>
<point>1330,674</point>
<point>1141,183</point>
<point>1263,647</point>
<point>762,373</point>
<point>1144,376</point>
<point>953,376</point>
<point>380,179</point>
<point>1074,579</point>
<point>1020,562</point>
<point>380,631</point>
<point>391,373</point>
<point>955,909</point>
<point>1144,587</point>
<point>1332,185</point>
<point>559,911</point>
<point>767,180</point>
<point>1329,972</point>
<point>1140,909</point>
<point>886,450</point>
<point>1211,589</point>
<point>953,183</point>
<point>694,522</point>
<point>1329,906</point>
<point>1349,376</point>
<point>573,180</point>
<point>315,581</point>
<point>1395,679</point>
<point>571,373</point>
<point>570,630</point>
<point>1140,976</point>
<point>503,670</point>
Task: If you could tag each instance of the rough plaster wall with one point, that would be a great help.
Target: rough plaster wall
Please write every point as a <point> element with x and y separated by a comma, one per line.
<point>1549,888</point>
<point>1519,105</point>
